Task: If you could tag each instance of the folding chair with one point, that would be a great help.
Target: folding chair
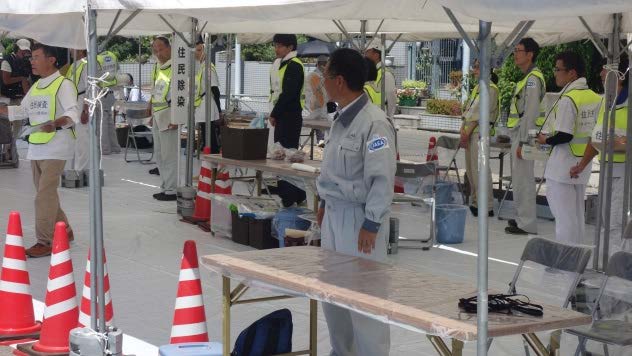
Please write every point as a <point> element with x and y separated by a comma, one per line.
<point>416,172</point>
<point>554,255</point>
<point>131,139</point>
<point>609,331</point>
<point>453,144</point>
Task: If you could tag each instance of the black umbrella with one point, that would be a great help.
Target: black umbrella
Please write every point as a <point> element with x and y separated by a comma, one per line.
<point>315,48</point>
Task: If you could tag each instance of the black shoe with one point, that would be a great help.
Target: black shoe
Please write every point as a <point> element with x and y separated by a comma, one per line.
<point>514,230</point>
<point>154,171</point>
<point>165,197</point>
<point>512,223</point>
<point>474,210</point>
<point>490,213</point>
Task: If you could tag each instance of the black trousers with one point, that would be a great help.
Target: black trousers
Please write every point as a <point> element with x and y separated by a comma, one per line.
<point>288,133</point>
<point>216,142</point>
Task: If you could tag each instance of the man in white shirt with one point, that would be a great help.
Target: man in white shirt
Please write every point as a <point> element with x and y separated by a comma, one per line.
<point>200,98</point>
<point>51,106</point>
<point>570,124</point>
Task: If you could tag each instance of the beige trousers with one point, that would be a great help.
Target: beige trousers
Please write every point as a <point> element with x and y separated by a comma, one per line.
<point>46,178</point>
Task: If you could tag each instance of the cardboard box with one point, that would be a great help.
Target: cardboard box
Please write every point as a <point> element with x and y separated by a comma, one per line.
<point>244,144</point>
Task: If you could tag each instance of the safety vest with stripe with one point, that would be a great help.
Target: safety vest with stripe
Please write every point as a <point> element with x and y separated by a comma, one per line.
<point>373,92</point>
<point>514,114</point>
<point>277,88</point>
<point>162,82</point>
<point>198,83</point>
<point>42,107</point>
<point>586,103</point>
<point>108,63</point>
<point>620,127</point>
<point>470,101</point>
<point>75,71</point>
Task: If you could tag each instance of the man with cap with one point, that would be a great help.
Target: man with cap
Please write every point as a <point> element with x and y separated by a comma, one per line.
<point>356,190</point>
<point>51,106</point>
<point>375,55</point>
<point>16,76</point>
<point>286,94</point>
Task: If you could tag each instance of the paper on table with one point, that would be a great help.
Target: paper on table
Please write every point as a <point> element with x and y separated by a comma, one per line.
<point>304,168</point>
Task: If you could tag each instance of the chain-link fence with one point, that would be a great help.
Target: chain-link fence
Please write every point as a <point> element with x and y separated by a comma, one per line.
<point>436,59</point>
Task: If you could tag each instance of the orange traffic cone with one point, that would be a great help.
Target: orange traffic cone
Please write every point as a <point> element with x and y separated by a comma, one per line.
<point>17,319</point>
<point>189,319</point>
<point>84,311</point>
<point>223,185</point>
<point>202,210</point>
<point>432,150</point>
<point>61,313</point>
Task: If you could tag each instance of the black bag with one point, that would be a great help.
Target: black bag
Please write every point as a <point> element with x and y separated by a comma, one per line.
<point>142,142</point>
<point>269,335</point>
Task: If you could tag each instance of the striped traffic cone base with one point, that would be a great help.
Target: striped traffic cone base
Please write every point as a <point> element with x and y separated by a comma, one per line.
<point>62,313</point>
<point>17,319</point>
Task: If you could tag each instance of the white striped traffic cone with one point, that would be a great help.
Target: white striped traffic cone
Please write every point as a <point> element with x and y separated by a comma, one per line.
<point>202,211</point>
<point>84,311</point>
<point>189,319</point>
<point>17,319</point>
<point>61,313</point>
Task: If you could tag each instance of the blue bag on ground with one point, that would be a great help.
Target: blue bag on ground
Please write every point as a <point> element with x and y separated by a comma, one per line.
<point>288,218</point>
<point>269,335</point>
<point>450,223</point>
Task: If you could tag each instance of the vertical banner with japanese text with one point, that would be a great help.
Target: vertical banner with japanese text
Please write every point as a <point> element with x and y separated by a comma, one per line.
<point>180,54</point>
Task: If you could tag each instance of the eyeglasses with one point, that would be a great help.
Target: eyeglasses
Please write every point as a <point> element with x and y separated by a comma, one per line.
<point>516,50</point>
<point>556,70</point>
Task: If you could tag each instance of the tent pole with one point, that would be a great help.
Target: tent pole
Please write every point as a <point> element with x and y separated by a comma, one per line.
<point>611,94</point>
<point>461,31</point>
<point>394,42</point>
<point>208,107</point>
<point>118,29</point>
<point>383,81</point>
<point>595,39</point>
<point>116,17</point>
<point>628,162</point>
<point>344,31</point>
<point>377,30</point>
<point>484,40</point>
<point>140,66</point>
<point>363,44</point>
<point>188,175</point>
<point>97,310</point>
<point>229,64</point>
<point>513,34</point>
<point>465,68</point>
<point>238,67</point>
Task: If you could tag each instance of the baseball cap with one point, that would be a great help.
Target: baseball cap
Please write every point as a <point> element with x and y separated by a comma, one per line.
<point>23,44</point>
<point>377,45</point>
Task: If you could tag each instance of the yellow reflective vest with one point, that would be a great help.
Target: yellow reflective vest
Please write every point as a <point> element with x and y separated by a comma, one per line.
<point>620,125</point>
<point>42,108</point>
<point>75,71</point>
<point>108,63</point>
<point>373,92</point>
<point>514,114</point>
<point>162,83</point>
<point>586,104</point>
<point>470,101</point>
<point>276,92</point>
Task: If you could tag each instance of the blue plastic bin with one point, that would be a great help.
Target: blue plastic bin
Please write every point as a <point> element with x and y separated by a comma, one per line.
<point>288,218</point>
<point>444,192</point>
<point>192,349</point>
<point>450,223</point>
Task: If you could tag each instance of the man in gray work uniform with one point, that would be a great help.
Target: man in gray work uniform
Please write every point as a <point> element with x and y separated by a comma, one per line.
<point>525,113</point>
<point>356,186</point>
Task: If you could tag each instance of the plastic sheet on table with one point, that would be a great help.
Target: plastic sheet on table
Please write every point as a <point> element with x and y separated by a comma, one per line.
<point>258,207</point>
<point>387,293</point>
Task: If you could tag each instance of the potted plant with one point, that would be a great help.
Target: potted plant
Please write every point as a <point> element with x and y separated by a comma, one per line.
<point>407,97</point>
<point>419,86</point>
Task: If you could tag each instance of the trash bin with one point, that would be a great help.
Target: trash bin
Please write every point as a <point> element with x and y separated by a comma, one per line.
<point>444,192</point>
<point>450,223</point>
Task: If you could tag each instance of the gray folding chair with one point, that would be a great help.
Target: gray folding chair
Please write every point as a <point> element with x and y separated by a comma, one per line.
<point>453,144</point>
<point>603,330</point>
<point>554,255</point>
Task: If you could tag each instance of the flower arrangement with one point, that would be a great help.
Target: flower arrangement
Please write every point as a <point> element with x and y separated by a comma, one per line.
<point>407,97</point>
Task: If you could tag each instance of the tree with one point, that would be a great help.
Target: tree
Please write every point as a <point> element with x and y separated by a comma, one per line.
<point>264,52</point>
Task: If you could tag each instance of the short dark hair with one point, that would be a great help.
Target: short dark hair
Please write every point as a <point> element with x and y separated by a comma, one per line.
<point>572,61</point>
<point>49,51</point>
<point>349,64</point>
<point>199,40</point>
<point>286,40</point>
<point>371,70</point>
<point>163,39</point>
<point>530,45</point>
